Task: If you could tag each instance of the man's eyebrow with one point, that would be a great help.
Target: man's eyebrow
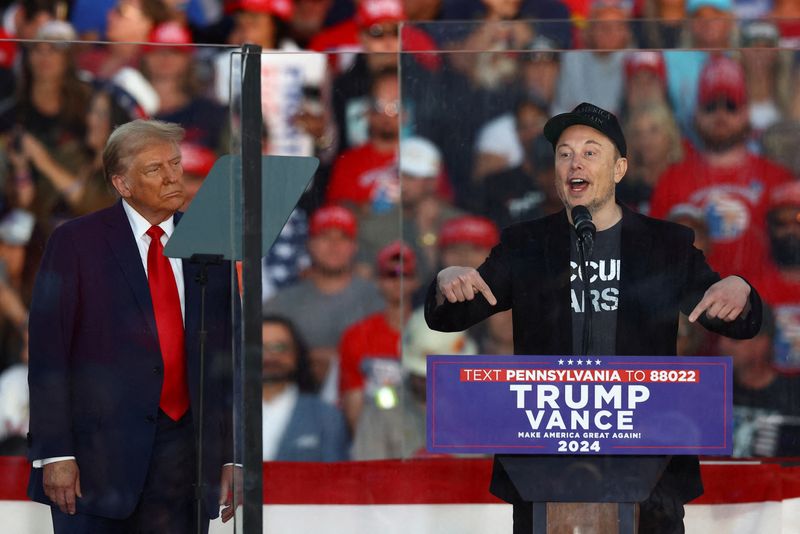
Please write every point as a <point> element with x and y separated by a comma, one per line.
<point>158,163</point>
<point>588,141</point>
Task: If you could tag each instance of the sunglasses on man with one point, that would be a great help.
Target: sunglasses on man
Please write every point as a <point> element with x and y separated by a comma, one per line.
<point>276,347</point>
<point>378,31</point>
<point>722,104</point>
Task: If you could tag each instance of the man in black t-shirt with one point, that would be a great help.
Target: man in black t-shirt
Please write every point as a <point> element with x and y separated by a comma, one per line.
<point>642,279</point>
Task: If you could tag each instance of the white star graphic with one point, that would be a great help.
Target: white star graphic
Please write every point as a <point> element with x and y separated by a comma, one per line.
<point>598,362</point>
<point>560,362</point>
<point>588,362</point>
<point>569,362</point>
<point>580,362</point>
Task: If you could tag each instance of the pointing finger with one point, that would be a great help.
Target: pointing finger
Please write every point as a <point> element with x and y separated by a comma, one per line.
<point>699,309</point>
<point>485,291</point>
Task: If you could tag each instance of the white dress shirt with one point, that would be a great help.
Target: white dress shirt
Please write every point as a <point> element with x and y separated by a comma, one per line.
<point>140,226</point>
<point>275,418</point>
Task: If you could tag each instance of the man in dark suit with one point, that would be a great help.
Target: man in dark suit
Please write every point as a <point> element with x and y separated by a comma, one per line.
<point>114,357</point>
<point>643,271</point>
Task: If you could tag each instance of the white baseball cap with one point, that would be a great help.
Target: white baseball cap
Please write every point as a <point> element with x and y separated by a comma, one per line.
<point>419,158</point>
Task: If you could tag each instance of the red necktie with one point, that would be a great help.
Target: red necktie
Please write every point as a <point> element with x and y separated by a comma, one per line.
<point>169,322</point>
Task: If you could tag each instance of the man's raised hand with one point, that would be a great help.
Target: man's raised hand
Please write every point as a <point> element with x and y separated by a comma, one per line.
<point>459,284</point>
<point>726,300</point>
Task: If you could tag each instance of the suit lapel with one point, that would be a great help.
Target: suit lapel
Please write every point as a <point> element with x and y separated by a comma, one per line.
<point>191,293</point>
<point>556,255</point>
<point>123,245</point>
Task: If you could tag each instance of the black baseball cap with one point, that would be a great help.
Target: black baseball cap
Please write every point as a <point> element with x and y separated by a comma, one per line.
<point>590,115</point>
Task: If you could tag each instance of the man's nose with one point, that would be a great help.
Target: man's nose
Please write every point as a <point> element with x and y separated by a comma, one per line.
<point>171,173</point>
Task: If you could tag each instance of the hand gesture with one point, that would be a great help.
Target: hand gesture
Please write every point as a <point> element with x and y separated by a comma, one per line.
<point>62,484</point>
<point>32,148</point>
<point>458,284</point>
<point>726,300</point>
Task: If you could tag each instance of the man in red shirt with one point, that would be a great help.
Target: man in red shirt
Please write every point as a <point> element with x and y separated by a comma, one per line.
<point>365,178</point>
<point>370,349</point>
<point>780,284</point>
<point>724,179</point>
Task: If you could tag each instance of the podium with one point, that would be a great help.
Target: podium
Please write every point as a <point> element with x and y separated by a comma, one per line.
<point>584,439</point>
<point>593,494</point>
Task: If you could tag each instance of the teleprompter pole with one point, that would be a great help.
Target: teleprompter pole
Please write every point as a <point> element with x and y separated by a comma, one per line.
<point>251,121</point>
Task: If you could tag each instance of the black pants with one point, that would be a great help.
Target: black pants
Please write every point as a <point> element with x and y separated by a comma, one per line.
<point>167,501</point>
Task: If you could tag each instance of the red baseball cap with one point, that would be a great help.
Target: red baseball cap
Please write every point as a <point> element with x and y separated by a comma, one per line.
<point>375,11</point>
<point>785,195</point>
<point>722,77</point>
<point>281,8</point>
<point>472,229</point>
<point>397,258</point>
<point>197,159</point>
<point>172,33</point>
<point>645,60</point>
<point>333,217</point>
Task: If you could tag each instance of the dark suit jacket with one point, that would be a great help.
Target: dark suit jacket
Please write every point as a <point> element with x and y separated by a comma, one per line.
<point>662,274</point>
<point>95,368</point>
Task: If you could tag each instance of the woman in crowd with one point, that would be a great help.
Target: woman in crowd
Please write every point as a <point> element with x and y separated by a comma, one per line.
<point>84,190</point>
<point>52,105</point>
<point>655,143</point>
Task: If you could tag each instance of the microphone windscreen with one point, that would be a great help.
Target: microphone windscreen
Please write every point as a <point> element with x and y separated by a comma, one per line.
<point>580,214</point>
<point>582,222</point>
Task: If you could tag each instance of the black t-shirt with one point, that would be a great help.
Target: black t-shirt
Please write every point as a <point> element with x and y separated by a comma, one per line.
<point>604,270</point>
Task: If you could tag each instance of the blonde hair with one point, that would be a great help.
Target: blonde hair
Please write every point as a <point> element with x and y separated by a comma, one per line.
<point>130,138</point>
<point>663,116</point>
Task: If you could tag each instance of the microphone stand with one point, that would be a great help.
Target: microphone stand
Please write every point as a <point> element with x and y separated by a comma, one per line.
<point>204,260</point>
<point>585,229</point>
<point>584,251</point>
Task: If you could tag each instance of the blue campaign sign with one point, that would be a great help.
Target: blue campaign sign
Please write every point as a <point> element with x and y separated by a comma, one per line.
<point>579,405</point>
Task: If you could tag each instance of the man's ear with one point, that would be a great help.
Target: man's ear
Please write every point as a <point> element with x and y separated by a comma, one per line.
<point>121,185</point>
<point>620,168</point>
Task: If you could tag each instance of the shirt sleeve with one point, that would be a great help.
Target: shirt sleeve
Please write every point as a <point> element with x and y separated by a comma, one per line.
<point>38,464</point>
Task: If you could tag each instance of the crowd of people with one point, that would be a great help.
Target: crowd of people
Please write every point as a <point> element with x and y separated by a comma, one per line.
<point>425,156</point>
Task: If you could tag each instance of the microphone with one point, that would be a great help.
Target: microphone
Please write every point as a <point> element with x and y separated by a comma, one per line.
<point>584,227</point>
